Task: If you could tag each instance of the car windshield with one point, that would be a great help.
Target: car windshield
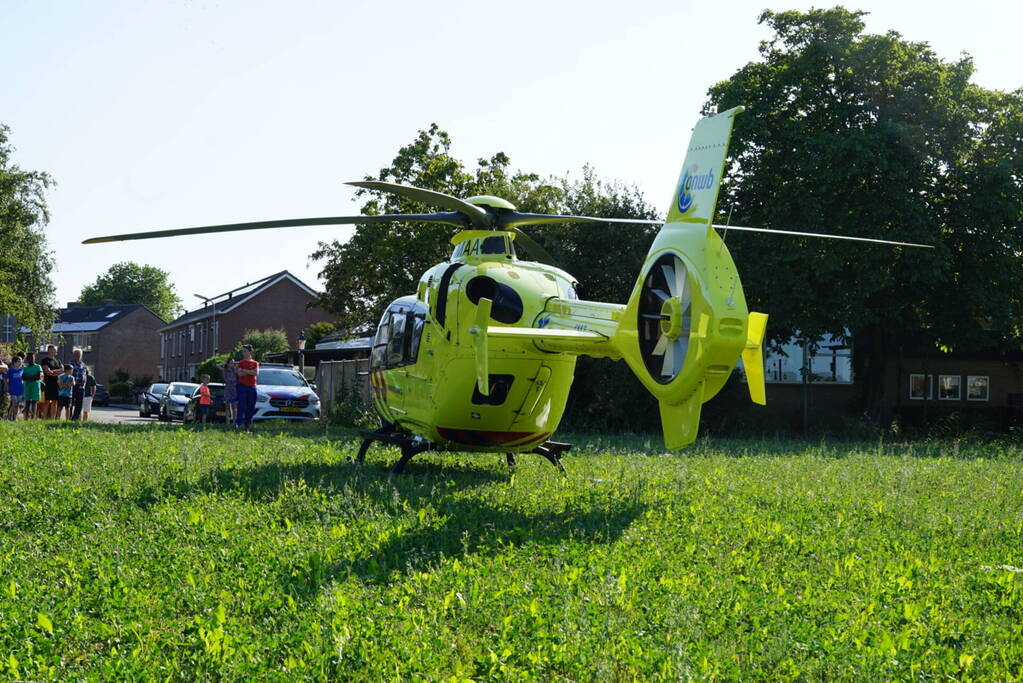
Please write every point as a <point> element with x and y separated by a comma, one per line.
<point>182,389</point>
<point>158,388</point>
<point>280,377</point>
<point>216,391</point>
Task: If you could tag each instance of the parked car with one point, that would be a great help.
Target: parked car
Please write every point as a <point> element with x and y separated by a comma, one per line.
<point>102,396</point>
<point>174,399</point>
<point>282,392</point>
<point>216,394</point>
<point>149,399</point>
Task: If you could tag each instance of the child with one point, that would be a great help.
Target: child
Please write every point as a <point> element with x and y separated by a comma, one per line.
<point>205,400</point>
<point>32,376</point>
<point>15,387</point>
<point>65,388</point>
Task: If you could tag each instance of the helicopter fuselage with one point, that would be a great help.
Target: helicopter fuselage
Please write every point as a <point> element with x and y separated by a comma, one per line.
<point>423,363</point>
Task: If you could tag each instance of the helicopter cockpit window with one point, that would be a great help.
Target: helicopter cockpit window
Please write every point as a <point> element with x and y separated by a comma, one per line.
<point>396,342</point>
<point>379,357</point>
<point>417,337</point>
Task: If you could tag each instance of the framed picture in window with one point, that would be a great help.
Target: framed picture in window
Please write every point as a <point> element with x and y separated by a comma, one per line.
<point>950,387</point>
<point>978,388</point>
<point>921,387</point>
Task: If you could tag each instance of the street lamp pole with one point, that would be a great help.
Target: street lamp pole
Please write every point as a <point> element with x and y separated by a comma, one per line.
<point>301,352</point>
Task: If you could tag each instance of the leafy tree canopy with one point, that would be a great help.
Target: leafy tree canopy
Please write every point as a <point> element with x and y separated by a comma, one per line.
<point>263,342</point>
<point>131,283</point>
<point>317,331</point>
<point>26,290</point>
<point>872,135</point>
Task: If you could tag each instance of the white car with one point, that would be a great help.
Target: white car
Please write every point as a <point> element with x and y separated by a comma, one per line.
<point>282,392</point>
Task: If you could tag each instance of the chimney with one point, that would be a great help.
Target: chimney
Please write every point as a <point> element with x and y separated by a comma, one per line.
<point>73,304</point>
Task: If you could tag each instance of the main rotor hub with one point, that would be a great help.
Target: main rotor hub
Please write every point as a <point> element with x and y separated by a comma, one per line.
<point>671,323</point>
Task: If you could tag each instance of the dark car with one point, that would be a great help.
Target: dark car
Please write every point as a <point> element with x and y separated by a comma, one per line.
<point>149,399</point>
<point>217,409</point>
<point>102,396</point>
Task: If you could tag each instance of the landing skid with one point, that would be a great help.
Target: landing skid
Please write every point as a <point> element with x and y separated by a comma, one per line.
<point>551,450</point>
<point>411,447</point>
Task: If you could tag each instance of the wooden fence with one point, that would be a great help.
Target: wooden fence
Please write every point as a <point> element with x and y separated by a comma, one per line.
<point>336,379</point>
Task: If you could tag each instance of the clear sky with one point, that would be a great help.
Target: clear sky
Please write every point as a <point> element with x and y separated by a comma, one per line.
<point>173,114</point>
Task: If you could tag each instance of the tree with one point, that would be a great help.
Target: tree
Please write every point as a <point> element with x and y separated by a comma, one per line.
<point>317,331</point>
<point>26,291</point>
<point>871,135</point>
<point>131,283</point>
<point>263,342</point>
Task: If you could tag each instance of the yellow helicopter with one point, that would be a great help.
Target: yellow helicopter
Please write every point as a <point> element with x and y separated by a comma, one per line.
<point>482,356</point>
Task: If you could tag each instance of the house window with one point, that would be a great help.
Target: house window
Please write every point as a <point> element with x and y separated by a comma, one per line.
<point>825,360</point>
<point>159,372</point>
<point>978,388</point>
<point>163,339</point>
<point>949,387</point>
<point>921,387</point>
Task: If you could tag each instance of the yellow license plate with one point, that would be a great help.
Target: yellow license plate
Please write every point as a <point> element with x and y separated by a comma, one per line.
<point>220,413</point>
<point>291,409</point>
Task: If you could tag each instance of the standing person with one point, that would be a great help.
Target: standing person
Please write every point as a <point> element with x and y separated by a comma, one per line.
<point>65,389</point>
<point>33,379</point>
<point>15,387</point>
<point>205,399</point>
<point>230,390</point>
<point>5,365</point>
<point>248,369</point>
<point>78,370</point>
<point>90,392</point>
<point>51,370</point>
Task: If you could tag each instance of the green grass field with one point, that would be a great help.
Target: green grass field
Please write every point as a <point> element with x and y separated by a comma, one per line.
<point>171,554</point>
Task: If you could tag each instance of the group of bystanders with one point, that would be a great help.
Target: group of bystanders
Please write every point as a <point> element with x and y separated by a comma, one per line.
<point>46,388</point>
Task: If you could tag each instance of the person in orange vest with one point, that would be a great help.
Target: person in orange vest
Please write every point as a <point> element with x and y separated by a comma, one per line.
<point>248,371</point>
<point>205,399</point>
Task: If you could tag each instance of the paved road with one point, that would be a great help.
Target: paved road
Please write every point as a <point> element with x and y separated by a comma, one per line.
<point>120,415</point>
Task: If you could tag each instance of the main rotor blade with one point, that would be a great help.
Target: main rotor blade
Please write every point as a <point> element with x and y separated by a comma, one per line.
<point>448,218</point>
<point>514,218</point>
<point>477,216</point>
<point>793,233</point>
<point>532,247</point>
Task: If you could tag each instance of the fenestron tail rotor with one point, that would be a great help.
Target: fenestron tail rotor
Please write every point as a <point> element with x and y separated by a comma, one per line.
<point>665,314</point>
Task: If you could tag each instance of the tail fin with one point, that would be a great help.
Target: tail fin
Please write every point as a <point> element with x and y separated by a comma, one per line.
<point>686,322</point>
<point>753,357</point>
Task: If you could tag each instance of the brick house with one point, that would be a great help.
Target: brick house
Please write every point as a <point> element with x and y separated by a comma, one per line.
<point>278,301</point>
<point>111,337</point>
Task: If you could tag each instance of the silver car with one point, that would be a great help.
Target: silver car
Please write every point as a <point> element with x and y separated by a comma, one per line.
<point>174,400</point>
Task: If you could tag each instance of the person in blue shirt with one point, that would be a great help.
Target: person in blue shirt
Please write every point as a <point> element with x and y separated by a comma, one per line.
<point>15,387</point>
<point>65,388</point>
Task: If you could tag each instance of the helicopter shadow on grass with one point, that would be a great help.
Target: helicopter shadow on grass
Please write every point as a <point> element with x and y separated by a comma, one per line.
<point>460,526</point>
<point>340,481</point>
